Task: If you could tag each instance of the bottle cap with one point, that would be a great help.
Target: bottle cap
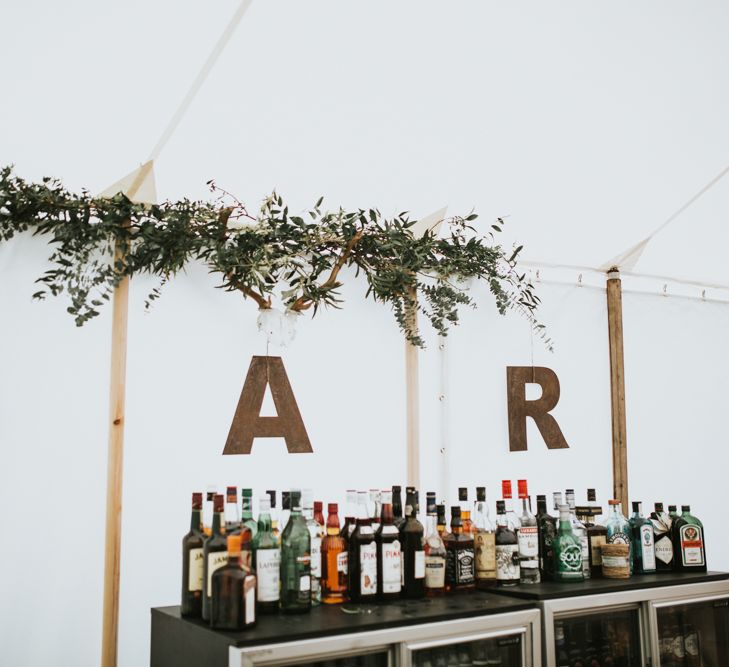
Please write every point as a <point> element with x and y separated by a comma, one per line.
<point>218,502</point>
<point>231,494</point>
<point>441,512</point>
<point>210,492</point>
<point>506,489</point>
<point>429,495</point>
<point>591,497</point>
<point>396,488</point>
<point>233,544</point>
<point>264,505</point>
<point>285,500</point>
<point>542,499</point>
<point>612,501</point>
<point>332,508</point>
<point>569,492</point>
<point>500,507</point>
<point>197,500</point>
<point>272,497</point>
<point>636,506</point>
<point>295,499</point>
<point>481,494</point>
<point>247,493</point>
<point>685,508</point>
<point>671,508</point>
<point>455,512</point>
<point>462,493</point>
<point>409,489</point>
<point>658,507</point>
<point>362,497</point>
<point>351,495</point>
<point>521,486</point>
<point>318,505</point>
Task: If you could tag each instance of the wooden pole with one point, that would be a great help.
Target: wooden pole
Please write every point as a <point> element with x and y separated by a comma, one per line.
<point>412,389</point>
<point>617,388</point>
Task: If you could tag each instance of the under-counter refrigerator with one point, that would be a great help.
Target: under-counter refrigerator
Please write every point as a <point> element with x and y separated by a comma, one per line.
<point>659,620</point>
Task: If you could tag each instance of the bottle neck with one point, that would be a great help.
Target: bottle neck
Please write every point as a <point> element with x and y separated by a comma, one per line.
<point>431,522</point>
<point>218,523</point>
<point>387,517</point>
<point>264,522</point>
<point>196,521</point>
<point>246,509</point>
<point>333,524</point>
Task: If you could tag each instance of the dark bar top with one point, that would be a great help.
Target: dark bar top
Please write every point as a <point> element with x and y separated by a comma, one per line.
<point>551,590</point>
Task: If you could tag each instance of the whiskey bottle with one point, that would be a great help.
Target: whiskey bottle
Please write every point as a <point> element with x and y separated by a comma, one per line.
<point>215,553</point>
<point>528,539</point>
<point>233,599</point>
<point>316,532</point>
<point>466,522</point>
<point>296,561</point>
<point>460,561</point>
<point>375,508</point>
<point>246,516</point>
<point>413,555</point>
<point>596,533</point>
<point>547,526</point>
<point>333,561</point>
<point>362,557</point>
<point>578,528</point>
<point>399,519</point>
<point>618,529</point>
<point>435,553</point>
<point>267,560</point>
<point>644,551</point>
<point>350,516</point>
<point>441,524</point>
<point>506,494</point>
<point>662,531</point>
<point>484,542</point>
<point>274,513</point>
<point>689,542</point>
<point>192,562</point>
<point>389,557</point>
<point>507,548</point>
<point>567,549</point>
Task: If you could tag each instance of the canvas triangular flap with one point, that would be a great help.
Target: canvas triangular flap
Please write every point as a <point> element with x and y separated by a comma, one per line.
<point>138,185</point>
<point>430,222</point>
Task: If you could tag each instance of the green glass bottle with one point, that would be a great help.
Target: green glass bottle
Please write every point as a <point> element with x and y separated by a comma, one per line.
<point>688,542</point>
<point>567,549</point>
<point>296,561</point>
<point>267,560</point>
<point>246,518</point>
<point>618,529</point>
<point>644,550</point>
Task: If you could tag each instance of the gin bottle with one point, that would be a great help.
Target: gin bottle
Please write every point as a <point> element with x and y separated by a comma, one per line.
<point>644,551</point>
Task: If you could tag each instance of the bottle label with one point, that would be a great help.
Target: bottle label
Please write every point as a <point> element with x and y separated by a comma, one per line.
<point>391,564</point>
<point>664,549</point>
<point>419,564</point>
<point>368,569</point>
<point>268,564</point>
<point>485,552</point>
<point>569,560</point>
<point>249,594</point>
<point>678,647</point>
<point>507,562</point>
<point>316,557</point>
<point>465,573</point>
<point>528,542</point>
<point>596,542</point>
<point>585,544</point>
<point>342,559</point>
<point>302,570</point>
<point>246,560</point>
<point>692,544</point>
<point>615,561</point>
<point>216,560</point>
<point>434,571</point>
<point>618,538</point>
<point>647,547</point>
<point>195,570</point>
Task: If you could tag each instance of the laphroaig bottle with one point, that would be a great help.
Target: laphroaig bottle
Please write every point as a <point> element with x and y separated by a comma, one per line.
<point>413,556</point>
<point>618,529</point>
<point>232,518</point>
<point>507,549</point>
<point>688,542</point>
<point>596,534</point>
<point>460,561</point>
<point>192,562</point>
<point>547,525</point>
<point>316,532</point>
<point>528,539</point>
<point>664,545</point>
<point>567,549</point>
<point>435,554</point>
<point>215,552</point>
<point>644,552</point>
<point>246,515</point>
<point>389,557</point>
<point>578,528</point>
<point>484,542</point>
<point>267,560</point>
<point>296,561</point>
<point>362,559</point>
<point>233,599</point>
<point>333,561</point>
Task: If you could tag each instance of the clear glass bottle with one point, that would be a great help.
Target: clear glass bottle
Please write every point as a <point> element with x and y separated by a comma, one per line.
<point>578,528</point>
<point>618,529</point>
<point>232,517</point>
<point>507,549</point>
<point>246,515</point>
<point>528,539</point>
<point>233,599</point>
<point>333,561</point>
<point>413,556</point>
<point>192,562</point>
<point>267,560</point>
<point>389,556</point>
<point>506,495</point>
<point>567,549</point>
<point>689,544</point>
<point>317,533</point>
<point>296,560</point>
<point>460,561</point>
<point>547,525</point>
<point>435,553</point>
<point>644,550</point>
<point>484,542</point>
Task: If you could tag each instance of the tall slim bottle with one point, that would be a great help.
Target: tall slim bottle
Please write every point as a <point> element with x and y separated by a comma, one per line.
<point>215,552</point>
<point>267,560</point>
<point>333,561</point>
<point>246,516</point>
<point>460,561</point>
<point>192,562</point>
<point>389,558</point>
<point>232,518</point>
<point>435,554</point>
<point>484,542</point>
<point>644,550</point>
<point>285,509</point>
<point>413,555</point>
<point>507,549</point>
<point>296,561</point>
<point>662,531</point>
<point>547,525</point>
<point>208,510</point>
<point>578,528</point>
<point>567,549</point>
<point>618,529</point>
<point>528,538</point>
<point>441,523</point>
<point>233,599</point>
<point>316,532</point>
<point>362,559</point>
<point>689,542</point>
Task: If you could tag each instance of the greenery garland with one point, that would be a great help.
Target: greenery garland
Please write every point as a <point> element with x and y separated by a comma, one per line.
<point>274,253</point>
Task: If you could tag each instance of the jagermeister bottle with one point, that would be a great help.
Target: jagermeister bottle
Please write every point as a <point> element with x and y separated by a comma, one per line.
<point>507,548</point>
<point>296,561</point>
<point>267,560</point>
<point>644,551</point>
<point>484,542</point>
<point>547,531</point>
<point>567,549</point>
<point>192,562</point>
<point>688,542</point>
<point>618,529</point>
<point>662,531</point>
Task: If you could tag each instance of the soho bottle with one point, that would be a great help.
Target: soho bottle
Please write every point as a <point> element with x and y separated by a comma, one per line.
<point>267,560</point>
<point>460,561</point>
<point>192,562</point>
<point>618,529</point>
<point>688,542</point>
<point>644,551</point>
<point>215,553</point>
<point>484,542</point>
<point>333,561</point>
<point>362,557</point>
<point>528,539</point>
<point>413,555</point>
<point>567,549</point>
<point>296,561</point>
<point>507,549</point>
<point>389,557</point>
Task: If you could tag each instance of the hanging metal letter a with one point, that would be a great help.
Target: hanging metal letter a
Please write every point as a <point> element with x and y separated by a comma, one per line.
<point>248,423</point>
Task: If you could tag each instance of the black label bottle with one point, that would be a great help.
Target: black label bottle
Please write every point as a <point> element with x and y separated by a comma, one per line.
<point>460,556</point>
<point>644,551</point>
<point>362,560</point>
<point>267,561</point>
<point>413,555</point>
<point>688,542</point>
<point>233,599</point>
<point>215,553</point>
<point>507,549</point>
<point>389,557</point>
<point>547,525</point>
<point>664,545</point>
<point>296,561</point>
<point>192,562</point>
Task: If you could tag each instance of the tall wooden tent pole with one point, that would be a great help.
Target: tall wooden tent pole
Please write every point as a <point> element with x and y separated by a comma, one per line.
<point>617,387</point>
<point>412,399</point>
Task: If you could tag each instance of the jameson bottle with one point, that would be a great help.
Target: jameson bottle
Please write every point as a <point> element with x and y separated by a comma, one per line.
<point>688,542</point>
<point>350,517</point>
<point>389,558</point>
<point>618,529</point>
<point>192,562</point>
<point>465,510</point>
<point>578,528</point>
<point>596,534</point>
<point>333,561</point>
<point>296,561</point>
<point>547,526</point>
<point>664,545</point>
<point>267,560</point>
<point>397,507</point>
<point>435,553</point>
<point>507,549</point>
<point>362,557</point>
<point>215,552</point>
<point>413,555</point>
<point>567,549</point>
<point>644,551</point>
<point>484,542</point>
<point>233,599</point>
<point>316,532</point>
<point>528,539</point>
<point>232,519</point>
<point>246,517</point>
<point>460,561</point>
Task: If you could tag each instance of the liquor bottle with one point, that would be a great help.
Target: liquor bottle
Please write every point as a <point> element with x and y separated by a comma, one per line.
<point>362,557</point>
<point>274,513</point>
<point>285,509</point>
<point>688,542</point>
<point>319,513</point>
<point>267,560</point>
<point>596,534</point>
<point>316,532</point>
<point>333,561</point>
<point>528,539</point>
<point>389,557</point>
<point>375,509</point>
<point>460,561</point>
<point>465,510</point>
<point>232,518</point>
<point>567,549</point>
<point>215,552</point>
<point>435,553</point>
<point>233,599</point>
<point>296,560</point>
<point>192,562</point>
<point>441,524</point>
<point>507,548</point>
<point>484,542</point>
<point>662,531</point>
<point>413,556</point>
<point>578,528</point>
<point>672,512</point>
<point>618,529</point>
<point>644,551</point>
<point>547,526</point>
<point>506,494</point>
<point>397,506</point>
<point>208,509</point>
<point>246,515</point>
<point>350,516</point>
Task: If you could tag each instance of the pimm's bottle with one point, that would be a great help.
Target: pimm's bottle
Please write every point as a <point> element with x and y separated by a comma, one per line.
<point>333,561</point>
<point>644,550</point>
<point>233,599</point>
<point>460,561</point>
<point>547,525</point>
<point>192,562</point>
<point>267,560</point>
<point>688,542</point>
<point>389,558</point>
<point>215,552</point>
<point>362,559</point>
<point>484,542</point>
<point>296,561</point>
<point>662,531</point>
<point>413,556</point>
<point>567,549</point>
<point>507,549</point>
<point>435,554</point>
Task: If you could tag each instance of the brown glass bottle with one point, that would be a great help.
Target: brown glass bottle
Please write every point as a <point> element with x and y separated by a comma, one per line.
<point>192,562</point>
<point>413,554</point>
<point>389,558</point>
<point>362,556</point>
<point>215,553</point>
<point>232,517</point>
<point>333,561</point>
<point>460,562</point>
<point>233,599</point>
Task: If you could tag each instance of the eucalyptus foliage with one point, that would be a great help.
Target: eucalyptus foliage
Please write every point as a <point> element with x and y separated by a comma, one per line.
<point>273,254</point>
